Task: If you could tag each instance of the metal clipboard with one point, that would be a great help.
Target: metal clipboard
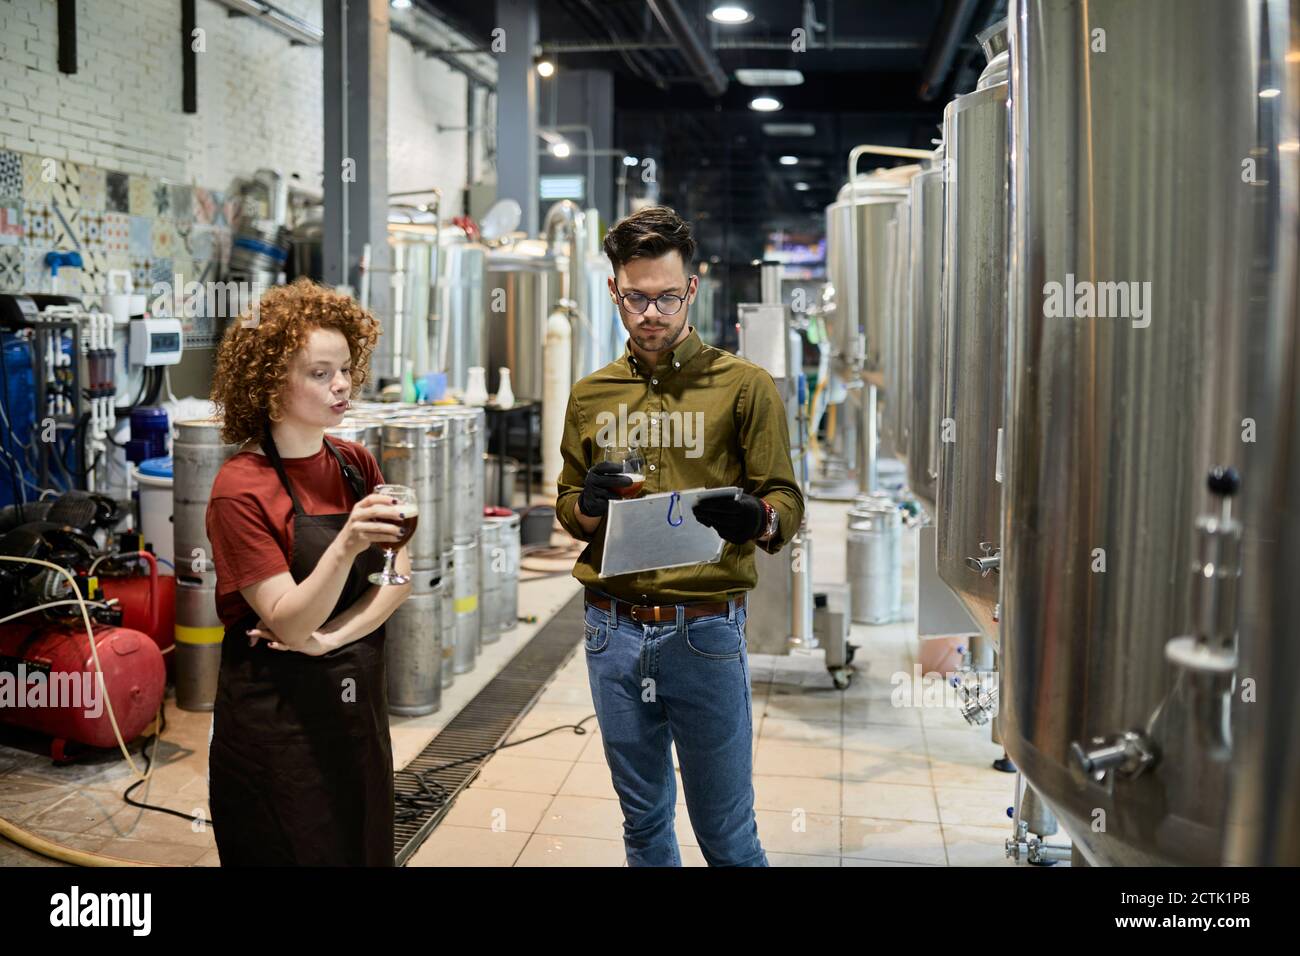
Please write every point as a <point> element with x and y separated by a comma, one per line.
<point>639,537</point>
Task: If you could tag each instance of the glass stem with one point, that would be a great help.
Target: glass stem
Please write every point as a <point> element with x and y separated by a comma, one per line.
<point>389,558</point>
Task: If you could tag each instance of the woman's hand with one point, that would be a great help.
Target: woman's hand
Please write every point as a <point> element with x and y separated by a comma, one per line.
<point>320,642</point>
<point>372,521</point>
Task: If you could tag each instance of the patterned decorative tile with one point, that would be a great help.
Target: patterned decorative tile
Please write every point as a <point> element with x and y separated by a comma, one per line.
<point>11,173</point>
<point>140,270</point>
<point>65,194</point>
<point>116,233</point>
<point>184,267</point>
<point>65,227</point>
<point>140,237</point>
<point>92,188</point>
<point>161,271</point>
<point>165,241</point>
<point>11,219</point>
<point>39,173</point>
<point>204,270</point>
<point>143,200</point>
<point>182,201</point>
<point>36,276</point>
<point>68,174</point>
<point>68,281</point>
<point>227,209</point>
<point>37,231</point>
<point>92,230</point>
<point>11,269</point>
<point>117,192</point>
<point>162,198</point>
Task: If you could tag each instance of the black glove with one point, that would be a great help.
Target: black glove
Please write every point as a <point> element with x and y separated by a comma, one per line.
<point>602,481</point>
<point>735,519</point>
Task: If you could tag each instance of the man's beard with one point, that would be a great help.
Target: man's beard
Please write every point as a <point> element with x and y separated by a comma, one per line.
<point>670,336</point>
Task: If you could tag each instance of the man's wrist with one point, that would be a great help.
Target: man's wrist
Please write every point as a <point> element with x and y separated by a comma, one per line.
<point>771,522</point>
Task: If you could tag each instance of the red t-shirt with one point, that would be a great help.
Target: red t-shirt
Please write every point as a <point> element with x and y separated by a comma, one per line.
<point>250,515</point>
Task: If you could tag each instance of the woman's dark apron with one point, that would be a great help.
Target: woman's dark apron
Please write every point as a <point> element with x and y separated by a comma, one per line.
<point>301,763</point>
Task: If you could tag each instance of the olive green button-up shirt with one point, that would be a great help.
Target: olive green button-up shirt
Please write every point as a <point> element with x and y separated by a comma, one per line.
<point>703,418</point>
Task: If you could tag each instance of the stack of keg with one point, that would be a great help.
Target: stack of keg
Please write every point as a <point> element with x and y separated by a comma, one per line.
<point>414,454</point>
<point>875,560</point>
<point>499,560</point>
<point>467,428</point>
<point>197,454</point>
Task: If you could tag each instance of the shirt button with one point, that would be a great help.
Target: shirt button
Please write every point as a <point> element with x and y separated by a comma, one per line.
<point>654,381</point>
<point>652,467</point>
<point>677,365</point>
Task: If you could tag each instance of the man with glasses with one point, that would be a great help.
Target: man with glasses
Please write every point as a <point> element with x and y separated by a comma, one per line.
<point>666,652</point>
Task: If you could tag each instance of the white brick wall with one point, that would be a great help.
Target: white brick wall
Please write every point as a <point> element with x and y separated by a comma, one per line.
<point>259,98</point>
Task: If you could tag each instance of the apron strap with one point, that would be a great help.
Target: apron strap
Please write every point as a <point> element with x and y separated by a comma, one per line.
<point>273,453</point>
<point>350,474</point>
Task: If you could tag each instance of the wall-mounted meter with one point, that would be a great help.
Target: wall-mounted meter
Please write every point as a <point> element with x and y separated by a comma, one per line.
<point>156,341</point>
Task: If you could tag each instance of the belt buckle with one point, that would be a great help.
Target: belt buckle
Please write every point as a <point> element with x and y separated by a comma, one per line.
<point>653,617</point>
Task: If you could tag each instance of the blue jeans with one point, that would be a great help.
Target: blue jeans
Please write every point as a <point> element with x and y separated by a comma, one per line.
<point>685,682</point>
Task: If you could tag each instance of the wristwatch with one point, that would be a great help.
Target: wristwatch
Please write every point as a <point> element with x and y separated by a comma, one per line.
<point>773,520</point>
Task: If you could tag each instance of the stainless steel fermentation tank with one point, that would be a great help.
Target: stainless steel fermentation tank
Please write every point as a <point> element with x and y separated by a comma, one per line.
<point>1264,810</point>
<point>926,274</point>
<point>528,279</point>
<point>973,340</point>
<point>867,230</point>
<point>1119,160</point>
<point>459,336</point>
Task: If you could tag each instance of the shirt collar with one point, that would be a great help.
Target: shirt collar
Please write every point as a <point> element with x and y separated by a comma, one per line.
<point>686,350</point>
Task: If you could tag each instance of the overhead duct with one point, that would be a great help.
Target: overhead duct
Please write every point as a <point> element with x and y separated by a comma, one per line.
<point>953,25</point>
<point>701,59</point>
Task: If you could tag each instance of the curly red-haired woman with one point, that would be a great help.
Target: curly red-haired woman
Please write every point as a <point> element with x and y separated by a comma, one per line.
<point>300,762</point>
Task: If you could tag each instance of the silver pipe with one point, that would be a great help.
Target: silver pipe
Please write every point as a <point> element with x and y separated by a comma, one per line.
<point>282,22</point>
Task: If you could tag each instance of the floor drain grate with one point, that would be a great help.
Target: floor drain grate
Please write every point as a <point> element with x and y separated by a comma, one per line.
<point>485,722</point>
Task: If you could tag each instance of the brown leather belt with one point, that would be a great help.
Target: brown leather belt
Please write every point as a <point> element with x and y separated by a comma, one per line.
<point>659,613</point>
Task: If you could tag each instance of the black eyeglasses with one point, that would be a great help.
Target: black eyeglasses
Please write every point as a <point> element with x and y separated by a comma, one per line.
<point>667,304</point>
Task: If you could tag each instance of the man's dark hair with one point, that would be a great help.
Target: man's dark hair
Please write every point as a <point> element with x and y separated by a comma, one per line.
<point>649,233</point>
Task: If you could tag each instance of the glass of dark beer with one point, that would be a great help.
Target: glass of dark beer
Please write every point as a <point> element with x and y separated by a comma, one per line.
<point>631,462</point>
<point>410,508</point>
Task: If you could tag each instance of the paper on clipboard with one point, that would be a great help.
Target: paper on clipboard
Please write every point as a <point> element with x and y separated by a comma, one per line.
<point>639,536</point>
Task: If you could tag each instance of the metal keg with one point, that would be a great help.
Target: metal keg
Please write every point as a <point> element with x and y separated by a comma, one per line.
<point>492,480</point>
<point>508,614</point>
<point>364,433</point>
<point>465,598</point>
<point>197,455</point>
<point>413,646</point>
<point>468,436</point>
<point>199,633</point>
<point>447,620</point>
<point>412,456</point>
<point>490,558</point>
<point>499,557</point>
<point>875,560</point>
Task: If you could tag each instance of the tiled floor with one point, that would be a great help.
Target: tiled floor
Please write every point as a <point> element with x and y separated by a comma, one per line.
<point>841,778</point>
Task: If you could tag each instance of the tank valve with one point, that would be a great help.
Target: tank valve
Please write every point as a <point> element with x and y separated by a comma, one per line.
<point>990,562</point>
<point>1208,657</point>
<point>1127,754</point>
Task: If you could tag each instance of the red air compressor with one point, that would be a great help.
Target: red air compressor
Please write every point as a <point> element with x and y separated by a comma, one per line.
<point>71,705</point>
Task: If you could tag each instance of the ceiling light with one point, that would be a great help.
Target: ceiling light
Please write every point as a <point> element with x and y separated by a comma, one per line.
<point>545,68</point>
<point>789,129</point>
<point>1269,93</point>
<point>730,14</point>
<point>400,4</point>
<point>560,150</point>
<point>630,160</point>
<point>801,187</point>
<point>747,77</point>
<point>765,104</point>
<point>789,160</point>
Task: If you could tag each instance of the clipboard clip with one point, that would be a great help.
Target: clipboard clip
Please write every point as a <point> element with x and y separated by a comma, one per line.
<point>673,499</point>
